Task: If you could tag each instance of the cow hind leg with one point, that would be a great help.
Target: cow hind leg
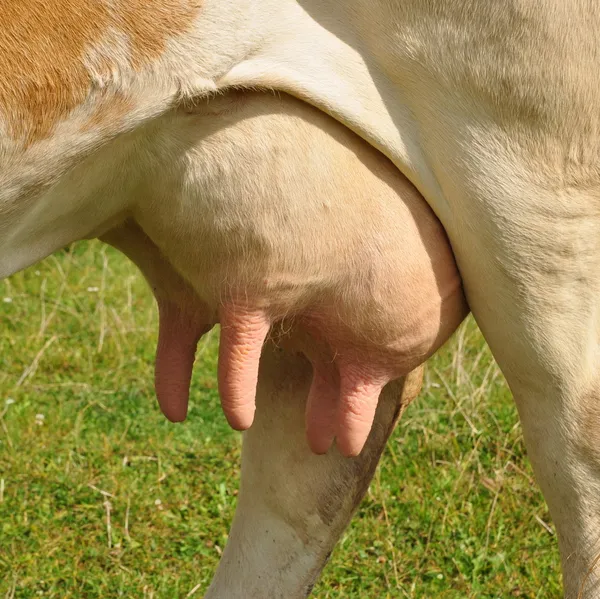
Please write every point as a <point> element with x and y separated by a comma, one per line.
<point>532,279</point>
<point>294,505</point>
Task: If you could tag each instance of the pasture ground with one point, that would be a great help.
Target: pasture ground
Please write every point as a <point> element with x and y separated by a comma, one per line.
<point>101,497</point>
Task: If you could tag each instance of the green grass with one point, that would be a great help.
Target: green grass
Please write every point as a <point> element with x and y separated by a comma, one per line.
<point>453,511</point>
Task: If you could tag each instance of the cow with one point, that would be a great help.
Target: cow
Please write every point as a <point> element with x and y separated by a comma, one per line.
<point>490,109</point>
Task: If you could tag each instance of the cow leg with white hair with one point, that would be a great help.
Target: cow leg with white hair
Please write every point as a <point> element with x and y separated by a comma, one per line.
<point>531,272</point>
<point>294,505</point>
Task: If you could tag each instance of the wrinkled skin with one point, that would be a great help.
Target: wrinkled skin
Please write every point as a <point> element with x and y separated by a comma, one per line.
<point>253,246</point>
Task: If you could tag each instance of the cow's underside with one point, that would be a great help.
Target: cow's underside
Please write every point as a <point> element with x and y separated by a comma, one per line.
<point>489,109</point>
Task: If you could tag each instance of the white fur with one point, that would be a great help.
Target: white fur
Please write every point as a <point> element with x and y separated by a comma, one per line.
<point>490,109</point>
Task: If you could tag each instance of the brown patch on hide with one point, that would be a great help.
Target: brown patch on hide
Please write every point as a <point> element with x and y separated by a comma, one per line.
<point>587,430</point>
<point>413,383</point>
<point>43,44</point>
<point>107,111</point>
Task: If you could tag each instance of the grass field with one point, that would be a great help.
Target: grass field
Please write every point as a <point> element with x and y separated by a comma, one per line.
<point>101,497</point>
